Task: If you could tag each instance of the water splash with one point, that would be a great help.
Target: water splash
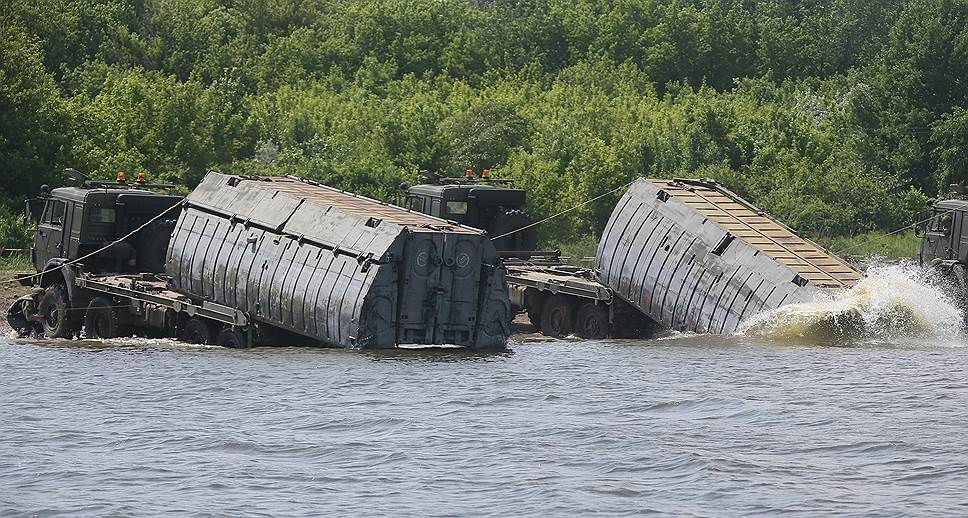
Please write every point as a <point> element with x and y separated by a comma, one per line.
<point>893,301</point>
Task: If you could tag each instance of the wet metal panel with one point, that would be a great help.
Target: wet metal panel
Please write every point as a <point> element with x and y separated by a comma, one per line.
<point>695,257</point>
<point>339,268</point>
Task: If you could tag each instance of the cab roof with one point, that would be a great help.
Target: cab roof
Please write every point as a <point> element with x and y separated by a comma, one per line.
<point>954,204</point>
<point>80,194</point>
<point>437,190</point>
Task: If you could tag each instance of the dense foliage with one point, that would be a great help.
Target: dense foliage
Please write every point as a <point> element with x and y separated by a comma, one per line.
<point>838,116</point>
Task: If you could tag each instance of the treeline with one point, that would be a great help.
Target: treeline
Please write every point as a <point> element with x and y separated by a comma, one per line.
<point>838,116</point>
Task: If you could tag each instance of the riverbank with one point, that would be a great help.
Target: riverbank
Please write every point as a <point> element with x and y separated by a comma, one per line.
<point>10,265</point>
<point>10,290</point>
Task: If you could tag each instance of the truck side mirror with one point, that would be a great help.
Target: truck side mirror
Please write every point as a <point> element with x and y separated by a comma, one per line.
<point>27,212</point>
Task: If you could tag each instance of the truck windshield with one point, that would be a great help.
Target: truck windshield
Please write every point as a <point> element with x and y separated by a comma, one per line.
<point>941,223</point>
<point>102,215</point>
<point>415,204</point>
<point>457,207</point>
<point>54,213</point>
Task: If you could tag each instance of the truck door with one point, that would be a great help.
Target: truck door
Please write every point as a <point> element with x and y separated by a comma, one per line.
<point>937,237</point>
<point>49,240</point>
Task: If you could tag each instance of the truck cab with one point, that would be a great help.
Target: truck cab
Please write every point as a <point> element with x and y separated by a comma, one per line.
<point>497,209</point>
<point>943,236</point>
<point>76,221</point>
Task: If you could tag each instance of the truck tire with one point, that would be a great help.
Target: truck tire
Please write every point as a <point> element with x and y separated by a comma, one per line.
<point>591,321</point>
<point>196,331</point>
<point>558,316</point>
<point>523,240</point>
<point>535,317</point>
<point>55,310</point>
<point>152,245</point>
<point>960,274</point>
<point>101,320</point>
<point>232,338</point>
<point>535,300</point>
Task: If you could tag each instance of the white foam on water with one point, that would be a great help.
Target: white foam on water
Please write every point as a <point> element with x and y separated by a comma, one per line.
<point>893,301</point>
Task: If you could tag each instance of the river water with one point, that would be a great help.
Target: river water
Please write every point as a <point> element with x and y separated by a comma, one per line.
<point>685,425</point>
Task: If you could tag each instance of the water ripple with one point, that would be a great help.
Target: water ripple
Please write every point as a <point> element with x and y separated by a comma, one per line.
<point>688,425</point>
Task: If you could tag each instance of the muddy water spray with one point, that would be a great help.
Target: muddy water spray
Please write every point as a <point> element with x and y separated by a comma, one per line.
<point>892,301</point>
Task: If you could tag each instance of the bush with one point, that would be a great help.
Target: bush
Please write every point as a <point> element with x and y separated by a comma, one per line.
<point>14,233</point>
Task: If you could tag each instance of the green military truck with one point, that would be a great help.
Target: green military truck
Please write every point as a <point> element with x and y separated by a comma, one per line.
<point>944,238</point>
<point>78,222</point>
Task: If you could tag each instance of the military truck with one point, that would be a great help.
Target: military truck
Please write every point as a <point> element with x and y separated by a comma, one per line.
<point>483,203</point>
<point>251,260</point>
<point>78,221</point>
<point>944,238</point>
<point>682,254</point>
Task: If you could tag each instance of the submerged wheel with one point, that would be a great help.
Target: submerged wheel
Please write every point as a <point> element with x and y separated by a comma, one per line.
<point>592,321</point>
<point>558,316</point>
<point>55,312</point>
<point>101,320</point>
<point>229,337</point>
<point>196,331</point>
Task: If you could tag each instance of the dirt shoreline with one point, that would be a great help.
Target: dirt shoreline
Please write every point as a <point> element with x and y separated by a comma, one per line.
<point>9,292</point>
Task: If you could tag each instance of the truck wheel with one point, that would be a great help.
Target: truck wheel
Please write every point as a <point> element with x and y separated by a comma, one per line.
<point>558,316</point>
<point>522,240</point>
<point>101,320</point>
<point>152,244</point>
<point>535,317</point>
<point>55,311</point>
<point>592,321</point>
<point>196,331</point>
<point>960,274</point>
<point>229,337</point>
<point>534,301</point>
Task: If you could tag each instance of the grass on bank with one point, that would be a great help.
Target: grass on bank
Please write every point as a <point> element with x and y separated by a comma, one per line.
<point>904,245</point>
<point>10,265</point>
<point>576,252</point>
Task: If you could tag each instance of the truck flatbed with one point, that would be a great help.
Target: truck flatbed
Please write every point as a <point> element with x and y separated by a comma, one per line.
<point>151,293</point>
<point>559,278</point>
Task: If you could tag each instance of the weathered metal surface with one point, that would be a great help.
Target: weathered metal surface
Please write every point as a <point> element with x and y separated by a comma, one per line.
<point>342,269</point>
<point>694,256</point>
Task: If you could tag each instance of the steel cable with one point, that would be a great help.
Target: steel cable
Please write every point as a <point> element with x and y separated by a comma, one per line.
<point>553,216</point>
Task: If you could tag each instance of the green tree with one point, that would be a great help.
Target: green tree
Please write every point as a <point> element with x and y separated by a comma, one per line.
<point>481,137</point>
<point>32,142</point>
